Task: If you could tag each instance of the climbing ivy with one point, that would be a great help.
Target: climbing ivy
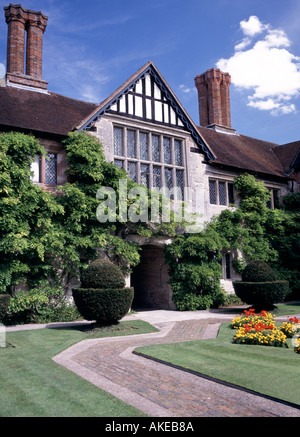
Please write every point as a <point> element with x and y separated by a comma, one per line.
<point>253,229</point>
<point>46,237</point>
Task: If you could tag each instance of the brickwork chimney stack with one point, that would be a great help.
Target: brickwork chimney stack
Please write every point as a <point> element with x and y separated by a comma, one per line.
<point>214,98</point>
<point>21,21</point>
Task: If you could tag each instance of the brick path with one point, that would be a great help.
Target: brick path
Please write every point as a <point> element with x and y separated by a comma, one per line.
<point>160,390</point>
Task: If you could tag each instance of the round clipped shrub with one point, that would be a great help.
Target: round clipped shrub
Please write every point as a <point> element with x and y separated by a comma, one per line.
<point>4,304</point>
<point>104,305</point>
<point>262,295</point>
<point>103,296</point>
<point>102,274</point>
<point>260,287</point>
<point>258,271</point>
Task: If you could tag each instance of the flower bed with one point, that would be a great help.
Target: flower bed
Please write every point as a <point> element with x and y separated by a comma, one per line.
<point>248,317</point>
<point>291,329</point>
<point>259,329</point>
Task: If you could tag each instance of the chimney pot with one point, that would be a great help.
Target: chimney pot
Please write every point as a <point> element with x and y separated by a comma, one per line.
<point>19,22</point>
<point>214,97</point>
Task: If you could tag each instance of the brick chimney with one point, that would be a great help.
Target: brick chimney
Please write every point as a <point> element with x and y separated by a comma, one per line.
<point>21,21</point>
<point>214,98</point>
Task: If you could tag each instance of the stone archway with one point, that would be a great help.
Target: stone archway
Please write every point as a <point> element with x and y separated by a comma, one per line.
<point>150,280</point>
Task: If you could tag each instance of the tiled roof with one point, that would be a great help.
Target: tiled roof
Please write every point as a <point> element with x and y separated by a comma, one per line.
<point>242,152</point>
<point>55,114</point>
<point>288,154</point>
<point>41,112</point>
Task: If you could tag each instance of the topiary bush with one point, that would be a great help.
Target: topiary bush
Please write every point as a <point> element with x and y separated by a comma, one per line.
<point>102,274</point>
<point>260,287</point>
<point>258,271</point>
<point>103,296</point>
<point>106,305</point>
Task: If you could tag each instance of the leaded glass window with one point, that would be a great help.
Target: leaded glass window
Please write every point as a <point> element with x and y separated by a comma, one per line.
<point>119,163</point>
<point>150,159</point>
<point>168,178</point>
<point>118,141</point>
<point>180,182</point>
<point>155,148</point>
<point>230,193</point>
<point>51,169</point>
<point>178,152</point>
<point>222,193</point>
<point>144,146</point>
<point>131,146</point>
<point>145,175</point>
<point>212,192</point>
<point>157,183</point>
<point>167,150</point>
<point>132,171</point>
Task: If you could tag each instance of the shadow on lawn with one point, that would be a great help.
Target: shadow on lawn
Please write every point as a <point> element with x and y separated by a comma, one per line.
<point>94,328</point>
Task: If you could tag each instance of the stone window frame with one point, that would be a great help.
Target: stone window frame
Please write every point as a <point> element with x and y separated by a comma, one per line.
<point>228,193</point>
<point>124,161</point>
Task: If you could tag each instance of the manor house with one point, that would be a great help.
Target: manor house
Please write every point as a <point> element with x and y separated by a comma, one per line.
<point>145,130</point>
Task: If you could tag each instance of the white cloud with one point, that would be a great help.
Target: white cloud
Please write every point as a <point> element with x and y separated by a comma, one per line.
<point>264,67</point>
<point>252,27</point>
<point>243,44</point>
<point>186,89</point>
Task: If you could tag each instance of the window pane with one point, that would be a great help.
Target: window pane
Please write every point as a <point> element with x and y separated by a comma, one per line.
<point>51,169</point>
<point>180,183</point>
<point>145,175</point>
<point>132,171</point>
<point>144,146</point>
<point>230,193</point>
<point>222,193</point>
<point>131,149</point>
<point>118,141</point>
<point>167,150</point>
<point>227,266</point>
<point>212,192</point>
<point>155,148</point>
<point>35,168</point>
<point>276,198</point>
<point>168,178</point>
<point>119,163</point>
<point>178,152</point>
<point>156,177</point>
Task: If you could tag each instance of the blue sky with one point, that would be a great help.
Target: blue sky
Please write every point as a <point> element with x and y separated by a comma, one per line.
<point>92,47</point>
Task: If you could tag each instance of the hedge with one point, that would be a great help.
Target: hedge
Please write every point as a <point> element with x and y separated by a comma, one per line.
<point>261,294</point>
<point>103,305</point>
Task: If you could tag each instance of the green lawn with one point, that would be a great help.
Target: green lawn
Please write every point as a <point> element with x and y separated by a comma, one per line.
<point>271,371</point>
<point>33,385</point>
